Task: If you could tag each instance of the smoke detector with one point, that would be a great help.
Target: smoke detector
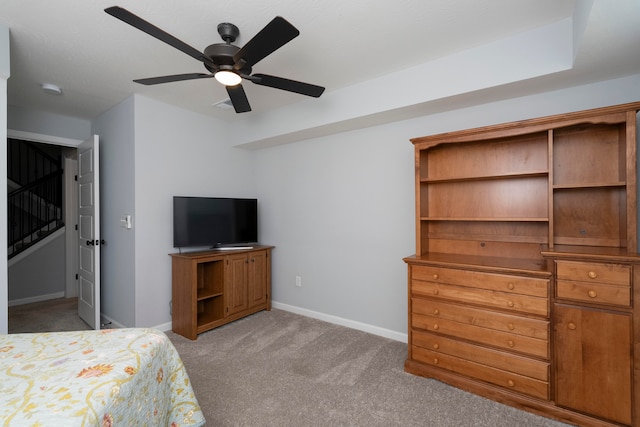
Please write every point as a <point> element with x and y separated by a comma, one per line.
<point>51,89</point>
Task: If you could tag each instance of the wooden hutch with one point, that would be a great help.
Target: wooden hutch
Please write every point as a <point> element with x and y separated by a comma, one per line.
<point>525,285</point>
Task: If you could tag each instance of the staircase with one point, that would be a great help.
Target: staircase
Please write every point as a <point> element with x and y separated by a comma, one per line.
<point>34,177</point>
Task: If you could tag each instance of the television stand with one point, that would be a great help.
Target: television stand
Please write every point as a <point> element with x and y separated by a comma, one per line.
<point>215,287</point>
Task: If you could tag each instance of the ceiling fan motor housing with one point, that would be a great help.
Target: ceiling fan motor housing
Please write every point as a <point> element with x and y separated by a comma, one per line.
<point>221,54</point>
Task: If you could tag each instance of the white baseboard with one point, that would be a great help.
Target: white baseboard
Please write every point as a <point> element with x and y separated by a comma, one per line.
<point>163,327</point>
<point>386,333</point>
<point>112,324</point>
<point>38,298</point>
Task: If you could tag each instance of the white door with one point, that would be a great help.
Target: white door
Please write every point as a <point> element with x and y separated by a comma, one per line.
<point>89,233</point>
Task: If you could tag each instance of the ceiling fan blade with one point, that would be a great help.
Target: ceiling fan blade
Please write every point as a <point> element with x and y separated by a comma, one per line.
<point>238,98</point>
<point>139,23</point>
<point>173,78</point>
<point>286,84</point>
<point>274,35</point>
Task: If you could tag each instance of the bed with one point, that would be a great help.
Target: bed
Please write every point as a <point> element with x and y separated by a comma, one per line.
<point>119,377</point>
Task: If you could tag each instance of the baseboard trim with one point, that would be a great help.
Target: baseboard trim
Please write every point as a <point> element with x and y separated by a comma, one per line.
<point>109,323</point>
<point>37,298</point>
<point>375,330</point>
<point>112,324</point>
<point>165,327</point>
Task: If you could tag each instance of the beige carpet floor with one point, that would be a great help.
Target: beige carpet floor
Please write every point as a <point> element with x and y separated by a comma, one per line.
<point>56,315</point>
<point>281,369</point>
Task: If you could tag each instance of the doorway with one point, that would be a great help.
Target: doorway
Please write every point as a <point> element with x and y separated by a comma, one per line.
<point>68,291</point>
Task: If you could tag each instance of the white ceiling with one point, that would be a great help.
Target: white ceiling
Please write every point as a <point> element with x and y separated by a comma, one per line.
<point>94,57</point>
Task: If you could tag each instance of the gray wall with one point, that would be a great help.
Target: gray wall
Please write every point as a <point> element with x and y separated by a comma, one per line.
<point>48,123</point>
<point>340,209</point>
<point>149,152</point>
<point>39,274</point>
<point>117,192</point>
<point>177,152</point>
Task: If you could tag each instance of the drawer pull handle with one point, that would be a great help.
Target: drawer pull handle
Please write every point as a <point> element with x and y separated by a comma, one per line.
<point>510,303</point>
<point>436,346</point>
<point>511,286</point>
<point>436,361</point>
<point>435,277</point>
<point>511,343</point>
<point>436,311</point>
<point>436,327</point>
<point>592,294</point>
<point>435,292</point>
<point>511,327</point>
<point>511,383</point>
<point>571,326</point>
<point>592,274</point>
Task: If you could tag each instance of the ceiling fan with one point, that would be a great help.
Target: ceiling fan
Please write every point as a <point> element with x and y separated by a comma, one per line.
<point>226,62</point>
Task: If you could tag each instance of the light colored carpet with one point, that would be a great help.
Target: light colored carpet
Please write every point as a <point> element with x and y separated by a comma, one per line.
<point>281,369</point>
<point>55,315</point>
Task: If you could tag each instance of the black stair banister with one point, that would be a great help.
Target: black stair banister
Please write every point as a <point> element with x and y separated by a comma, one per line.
<point>28,161</point>
<point>35,207</point>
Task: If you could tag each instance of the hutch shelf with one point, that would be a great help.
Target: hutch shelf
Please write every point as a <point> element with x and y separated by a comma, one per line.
<point>525,285</point>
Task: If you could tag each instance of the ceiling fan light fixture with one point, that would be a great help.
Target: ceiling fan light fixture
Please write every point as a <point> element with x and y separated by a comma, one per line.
<point>228,78</point>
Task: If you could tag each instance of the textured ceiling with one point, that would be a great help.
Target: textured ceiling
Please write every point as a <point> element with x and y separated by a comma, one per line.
<point>94,57</point>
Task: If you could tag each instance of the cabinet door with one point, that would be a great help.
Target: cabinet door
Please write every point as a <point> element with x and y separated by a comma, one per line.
<point>236,292</point>
<point>257,278</point>
<point>593,354</point>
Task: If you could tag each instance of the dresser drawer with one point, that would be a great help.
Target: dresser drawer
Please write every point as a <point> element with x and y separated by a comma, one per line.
<point>513,324</point>
<point>520,365</point>
<point>613,274</point>
<point>498,339</point>
<point>508,380</point>
<point>493,299</point>
<point>594,292</point>
<point>482,280</point>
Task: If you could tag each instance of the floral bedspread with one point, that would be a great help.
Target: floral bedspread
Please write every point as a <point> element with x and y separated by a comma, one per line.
<point>113,377</point>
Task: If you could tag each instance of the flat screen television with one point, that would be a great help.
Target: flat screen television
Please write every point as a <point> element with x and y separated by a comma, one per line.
<point>214,221</point>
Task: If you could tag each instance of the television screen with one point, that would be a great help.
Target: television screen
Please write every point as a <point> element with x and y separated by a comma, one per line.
<point>214,221</point>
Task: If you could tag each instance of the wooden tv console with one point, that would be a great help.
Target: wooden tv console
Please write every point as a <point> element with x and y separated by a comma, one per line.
<point>212,288</point>
<point>525,285</point>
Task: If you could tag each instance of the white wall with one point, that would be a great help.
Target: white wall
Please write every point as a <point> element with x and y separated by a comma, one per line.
<point>176,153</point>
<point>340,209</point>
<point>4,75</point>
<point>115,129</point>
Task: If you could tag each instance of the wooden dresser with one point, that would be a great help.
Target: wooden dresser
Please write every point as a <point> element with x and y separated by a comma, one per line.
<point>525,285</point>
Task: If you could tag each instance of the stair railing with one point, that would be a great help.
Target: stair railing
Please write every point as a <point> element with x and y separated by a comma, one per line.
<point>35,206</point>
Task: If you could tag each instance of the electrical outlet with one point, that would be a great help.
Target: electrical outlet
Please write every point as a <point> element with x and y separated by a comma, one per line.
<point>299,281</point>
